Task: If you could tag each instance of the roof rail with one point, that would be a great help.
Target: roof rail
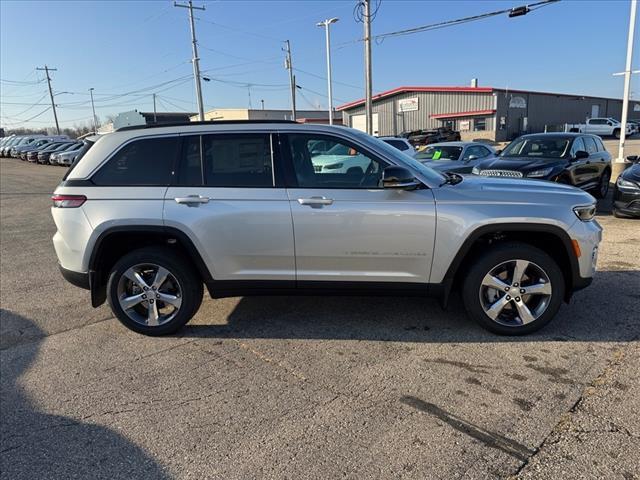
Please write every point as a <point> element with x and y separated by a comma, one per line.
<point>206,122</point>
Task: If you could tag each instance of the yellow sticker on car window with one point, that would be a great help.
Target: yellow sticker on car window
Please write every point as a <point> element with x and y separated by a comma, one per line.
<point>437,154</point>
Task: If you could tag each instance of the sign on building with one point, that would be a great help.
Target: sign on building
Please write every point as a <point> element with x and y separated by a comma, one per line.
<point>636,107</point>
<point>464,125</point>
<point>408,104</point>
<point>517,102</point>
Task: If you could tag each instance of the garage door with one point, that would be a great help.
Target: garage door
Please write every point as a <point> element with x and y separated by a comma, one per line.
<point>359,122</point>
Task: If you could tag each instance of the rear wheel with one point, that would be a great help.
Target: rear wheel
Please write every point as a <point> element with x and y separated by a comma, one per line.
<point>616,133</point>
<point>154,291</point>
<point>603,185</point>
<point>513,289</point>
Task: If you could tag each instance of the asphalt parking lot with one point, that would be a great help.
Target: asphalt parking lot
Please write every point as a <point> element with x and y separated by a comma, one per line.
<point>309,387</point>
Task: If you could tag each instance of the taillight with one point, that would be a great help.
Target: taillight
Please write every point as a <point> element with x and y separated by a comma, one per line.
<point>68,201</point>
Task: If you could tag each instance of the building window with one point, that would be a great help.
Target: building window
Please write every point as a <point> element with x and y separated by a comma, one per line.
<point>479,124</point>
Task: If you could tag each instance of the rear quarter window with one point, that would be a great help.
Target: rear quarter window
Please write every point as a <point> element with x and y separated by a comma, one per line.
<point>142,162</point>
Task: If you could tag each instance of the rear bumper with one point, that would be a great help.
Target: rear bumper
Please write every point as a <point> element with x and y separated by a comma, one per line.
<point>79,279</point>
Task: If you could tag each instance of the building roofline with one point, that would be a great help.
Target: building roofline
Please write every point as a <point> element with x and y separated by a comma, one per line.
<point>397,90</point>
<point>453,89</point>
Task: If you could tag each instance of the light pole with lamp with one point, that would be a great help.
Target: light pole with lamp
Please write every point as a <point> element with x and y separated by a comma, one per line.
<point>326,24</point>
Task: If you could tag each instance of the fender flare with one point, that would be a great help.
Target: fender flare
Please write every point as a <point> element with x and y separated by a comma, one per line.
<point>96,283</point>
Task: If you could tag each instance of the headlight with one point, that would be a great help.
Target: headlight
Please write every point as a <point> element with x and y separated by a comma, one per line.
<point>333,166</point>
<point>585,213</point>
<point>626,184</point>
<point>540,173</point>
<point>475,171</point>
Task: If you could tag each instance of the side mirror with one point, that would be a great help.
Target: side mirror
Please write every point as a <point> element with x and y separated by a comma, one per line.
<point>580,154</point>
<point>632,158</point>
<point>472,157</point>
<point>399,178</point>
<point>498,152</point>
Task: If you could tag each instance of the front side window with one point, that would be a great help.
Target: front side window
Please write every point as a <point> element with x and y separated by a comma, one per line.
<point>578,145</point>
<point>591,145</point>
<point>147,161</point>
<point>337,165</point>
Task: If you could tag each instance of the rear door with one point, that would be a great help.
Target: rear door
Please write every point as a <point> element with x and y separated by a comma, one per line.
<point>349,229</point>
<point>228,200</point>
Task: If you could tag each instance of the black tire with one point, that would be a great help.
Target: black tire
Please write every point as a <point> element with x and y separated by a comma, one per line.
<point>616,133</point>
<point>179,266</point>
<point>603,185</point>
<point>503,253</point>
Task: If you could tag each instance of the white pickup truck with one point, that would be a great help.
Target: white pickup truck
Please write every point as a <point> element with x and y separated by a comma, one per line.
<point>599,126</point>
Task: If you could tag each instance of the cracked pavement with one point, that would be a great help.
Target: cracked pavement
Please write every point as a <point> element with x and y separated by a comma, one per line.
<point>309,387</point>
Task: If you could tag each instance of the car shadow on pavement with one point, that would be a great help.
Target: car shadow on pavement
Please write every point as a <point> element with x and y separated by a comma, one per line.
<point>593,315</point>
<point>34,444</point>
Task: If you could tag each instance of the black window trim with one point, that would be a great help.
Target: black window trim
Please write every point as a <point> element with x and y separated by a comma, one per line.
<point>291,181</point>
<point>276,174</point>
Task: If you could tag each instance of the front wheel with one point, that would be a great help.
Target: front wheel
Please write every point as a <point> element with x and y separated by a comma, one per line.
<point>616,133</point>
<point>603,185</point>
<point>513,289</point>
<point>154,291</point>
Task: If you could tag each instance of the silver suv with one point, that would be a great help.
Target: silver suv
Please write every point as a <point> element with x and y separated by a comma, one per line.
<point>148,215</point>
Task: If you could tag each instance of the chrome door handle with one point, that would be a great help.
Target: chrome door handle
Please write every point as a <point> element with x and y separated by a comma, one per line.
<point>191,199</point>
<point>315,202</point>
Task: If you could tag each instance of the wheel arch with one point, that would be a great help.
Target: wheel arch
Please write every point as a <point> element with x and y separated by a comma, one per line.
<point>116,241</point>
<point>550,238</point>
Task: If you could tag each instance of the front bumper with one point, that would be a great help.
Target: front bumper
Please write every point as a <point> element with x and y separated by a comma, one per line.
<point>626,202</point>
<point>588,235</point>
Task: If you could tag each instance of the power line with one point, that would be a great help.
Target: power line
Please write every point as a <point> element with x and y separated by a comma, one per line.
<point>459,21</point>
<point>325,79</point>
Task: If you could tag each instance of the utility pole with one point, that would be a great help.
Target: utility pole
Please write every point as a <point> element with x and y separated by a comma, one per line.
<point>53,105</point>
<point>367,66</point>
<point>288,64</point>
<point>155,113</point>
<point>93,108</point>
<point>326,24</point>
<point>619,164</point>
<point>262,102</point>
<point>196,59</point>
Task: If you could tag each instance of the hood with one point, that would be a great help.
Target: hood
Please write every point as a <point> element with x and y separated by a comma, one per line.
<point>440,165</point>
<point>523,190</point>
<point>522,164</point>
<point>632,173</point>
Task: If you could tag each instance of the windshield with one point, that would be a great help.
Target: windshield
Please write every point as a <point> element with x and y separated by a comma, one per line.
<point>439,153</point>
<point>396,154</point>
<point>537,148</point>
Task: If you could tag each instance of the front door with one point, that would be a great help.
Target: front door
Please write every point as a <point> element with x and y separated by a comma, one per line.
<point>226,198</point>
<point>346,227</point>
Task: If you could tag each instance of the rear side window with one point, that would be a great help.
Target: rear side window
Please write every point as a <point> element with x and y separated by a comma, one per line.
<point>142,162</point>
<point>600,144</point>
<point>242,160</point>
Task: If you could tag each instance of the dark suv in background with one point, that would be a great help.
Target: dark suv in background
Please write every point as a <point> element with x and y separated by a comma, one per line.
<point>572,158</point>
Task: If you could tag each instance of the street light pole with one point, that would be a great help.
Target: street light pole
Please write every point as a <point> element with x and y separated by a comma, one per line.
<point>367,67</point>
<point>196,59</point>
<point>93,108</point>
<point>326,24</point>
<point>619,164</point>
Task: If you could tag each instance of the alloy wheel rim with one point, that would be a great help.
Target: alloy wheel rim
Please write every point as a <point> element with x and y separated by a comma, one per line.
<point>149,294</point>
<point>515,293</point>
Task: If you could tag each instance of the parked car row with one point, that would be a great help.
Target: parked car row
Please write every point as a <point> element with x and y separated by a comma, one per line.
<point>52,150</point>
<point>576,159</point>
